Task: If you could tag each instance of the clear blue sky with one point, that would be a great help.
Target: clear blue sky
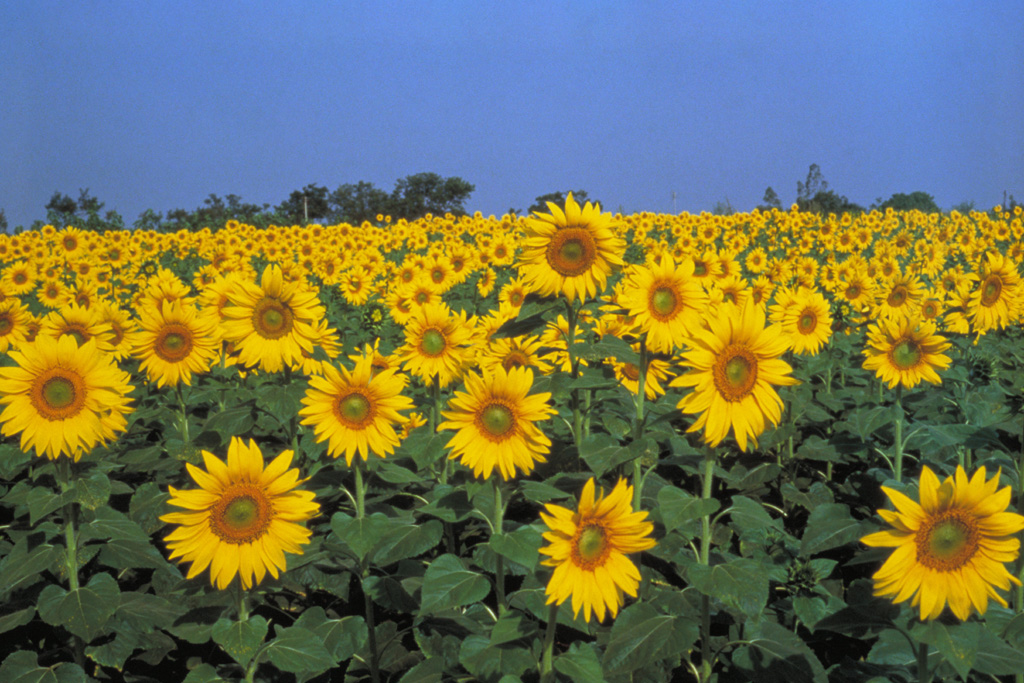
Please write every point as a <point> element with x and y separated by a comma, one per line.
<point>158,104</point>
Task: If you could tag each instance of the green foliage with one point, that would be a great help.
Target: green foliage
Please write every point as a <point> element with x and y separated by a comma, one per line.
<point>540,204</point>
<point>915,201</point>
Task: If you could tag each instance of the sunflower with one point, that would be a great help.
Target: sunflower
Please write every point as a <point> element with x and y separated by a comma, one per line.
<point>906,351</point>
<point>665,299</point>
<point>495,419</point>
<point>14,317</point>
<point>900,296</point>
<point>436,343</point>
<point>994,302</point>
<point>242,518</point>
<point>63,398</point>
<point>952,547</point>
<point>514,352</point>
<point>176,342</point>
<point>589,549</point>
<point>273,323</point>
<point>808,322</point>
<point>356,412</point>
<point>81,324</point>
<point>570,252</point>
<point>734,364</point>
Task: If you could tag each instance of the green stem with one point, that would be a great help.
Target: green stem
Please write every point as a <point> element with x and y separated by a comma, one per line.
<point>899,435</point>
<point>64,475</point>
<point>1018,594</point>
<point>499,525</point>
<point>184,412</point>
<point>638,426</point>
<point>705,559</point>
<point>574,365</point>
<point>360,490</point>
<point>372,626</point>
<point>547,669</point>
<point>922,663</point>
<point>243,608</point>
<point>435,403</point>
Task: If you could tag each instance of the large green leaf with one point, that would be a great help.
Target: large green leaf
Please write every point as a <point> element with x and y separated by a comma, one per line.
<point>297,650</point>
<point>522,546</point>
<point>24,564</point>
<point>361,534</point>
<point>830,526</point>
<point>741,584</point>
<point>677,507</point>
<point>638,636</point>
<point>487,661</point>
<point>342,637</point>
<point>84,611</point>
<point>93,491</point>
<point>22,667</point>
<point>602,452</point>
<point>447,584</point>
<point>958,645</point>
<point>580,664</point>
<point>407,540</point>
<point>240,639</point>
<point>777,655</point>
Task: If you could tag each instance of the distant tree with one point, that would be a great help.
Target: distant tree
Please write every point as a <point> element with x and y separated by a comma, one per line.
<point>309,204</point>
<point>814,184</point>
<point>828,201</point>
<point>215,212</point>
<point>417,195</point>
<point>357,203</point>
<point>61,203</point>
<point>84,213</point>
<point>540,204</point>
<point>919,201</point>
<point>723,208</point>
<point>770,200</point>
<point>964,207</point>
<point>3,221</point>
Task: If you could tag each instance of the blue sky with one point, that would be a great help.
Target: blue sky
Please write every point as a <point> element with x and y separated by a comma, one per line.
<point>157,105</point>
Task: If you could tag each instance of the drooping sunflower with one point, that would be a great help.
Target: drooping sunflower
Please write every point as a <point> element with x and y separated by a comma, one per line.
<point>176,342</point>
<point>666,300</point>
<point>735,363</point>
<point>495,422</point>
<point>436,344</point>
<point>273,323</point>
<point>242,518</point>
<point>356,412</point>
<point>906,351</point>
<point>951,547</point>
<point>63,398</point>
<point>589,548</point>
<point>570,252</point>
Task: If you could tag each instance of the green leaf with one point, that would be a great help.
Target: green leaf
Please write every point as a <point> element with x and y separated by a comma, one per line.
<point>430,670</point>
<point>447,584</point>
<point>297,649</point>
<point>93,491</point>
<point>637,637</point>
<point>240,639</point>
<point>677,507</point>
<point>396,474</point>
<point>24,564</point>
<point>42,501</point>
<point>408,540</point>
<point>580,664</point>
<point>996,658</point>
<point>342,637</point>
<point>84,611</point>
<point>603,452</point>
<point>486,661</point>
<point>742,584</point>
<point>360,534</point>
<point>522,546</point>
<point>22,667</point>
<point>542,492</point>
<point>958,645</point>
<point>830,526</point>
<point>109,524</point>
<point>511,627</point>
<point>145,611</point>
<point>146,507</point>
<point>9,622</point>
<point>204,673</point>
<point>777,655</point>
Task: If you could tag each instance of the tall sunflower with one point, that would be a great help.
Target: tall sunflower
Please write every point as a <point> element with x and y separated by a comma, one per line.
<point>570,252</point>
<point>734,365</point>
<point>356,412</point>
<point>242,518</point>
<point>14,317</point>
<point>495,422</point>
<point>997,298</point>
<point>808,322</point>
<point>665,299</point>
<point>176,342</point>
<point>906,351</point>
<point>951,547</point>
<point>436,343</point>
<point>589,547</point>
<point>63,398</point>
<point>273,323</point>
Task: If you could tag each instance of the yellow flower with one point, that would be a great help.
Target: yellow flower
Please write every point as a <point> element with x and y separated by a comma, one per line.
<point>665,299</point>
<point>906,351</point>
<point>435,343</point>
<point>952,547</point>
<point>495,422</point>
<point>356,412</point>
<point>589,547</point>
<point>735,363</point>
<point>242,518</point>
<point>176,342</point>
<point>996,299</point>
<point>63,398</point>
<point>570,252</point>
<point>808,322</point>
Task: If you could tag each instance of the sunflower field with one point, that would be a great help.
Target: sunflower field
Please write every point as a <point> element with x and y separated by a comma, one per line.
<point>576,446</point>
